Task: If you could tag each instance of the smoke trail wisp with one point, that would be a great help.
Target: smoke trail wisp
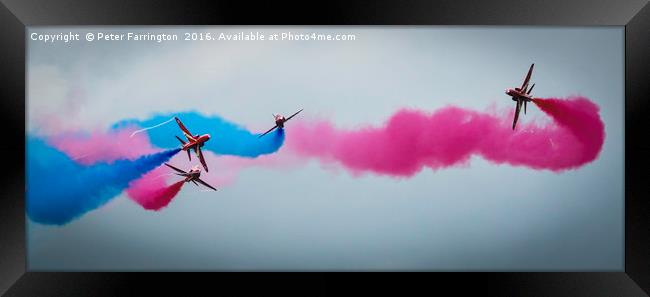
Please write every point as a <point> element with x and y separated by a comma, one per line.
<point>227,138</point>
<point>152,127</point>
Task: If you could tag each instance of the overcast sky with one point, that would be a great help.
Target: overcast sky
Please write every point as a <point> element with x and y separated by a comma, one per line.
<point>479,217</point>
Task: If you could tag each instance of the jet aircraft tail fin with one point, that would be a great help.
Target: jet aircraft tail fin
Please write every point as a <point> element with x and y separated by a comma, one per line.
<point>531,89</point>
<point>525,104</point>
<point>179,139</point>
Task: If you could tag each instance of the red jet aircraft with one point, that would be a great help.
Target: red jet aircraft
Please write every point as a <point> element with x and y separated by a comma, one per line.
<point>521,95</point>
<point>193,142</point>
<point>192,175</point>
<point>279,122</point>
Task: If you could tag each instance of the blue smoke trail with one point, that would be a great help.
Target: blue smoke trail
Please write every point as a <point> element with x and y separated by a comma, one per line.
<point>227,138</point>
<point>60,190</point>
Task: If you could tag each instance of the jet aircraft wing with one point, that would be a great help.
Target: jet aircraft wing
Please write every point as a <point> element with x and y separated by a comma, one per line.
<point>201,158</point>
<point>185,131</point>
<point>517,109</point>
<point>293,115</point>
<point>267,132</point>
<point>205,184</point>
<point>527,79</point>
<point>172,167</point>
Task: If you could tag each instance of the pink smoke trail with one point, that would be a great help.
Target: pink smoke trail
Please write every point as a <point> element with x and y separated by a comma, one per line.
<point>411,140</point>
<point>581,117</point>
<point>89,148</point>
<point>153,196</point>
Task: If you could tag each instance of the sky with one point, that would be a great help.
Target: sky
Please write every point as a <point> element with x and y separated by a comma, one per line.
<point>478,217</point>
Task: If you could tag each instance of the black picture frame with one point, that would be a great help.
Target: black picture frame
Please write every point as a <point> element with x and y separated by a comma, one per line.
<point>15,15</point>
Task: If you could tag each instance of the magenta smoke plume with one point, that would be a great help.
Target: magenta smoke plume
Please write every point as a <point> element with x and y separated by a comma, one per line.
<point>152,196</point>
<point>411,140</point>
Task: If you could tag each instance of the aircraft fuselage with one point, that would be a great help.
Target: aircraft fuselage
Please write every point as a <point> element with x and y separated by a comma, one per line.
<point>200,141</point>
<point>279,121</point>
<point>192,175</point>
<point>517,95</point>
